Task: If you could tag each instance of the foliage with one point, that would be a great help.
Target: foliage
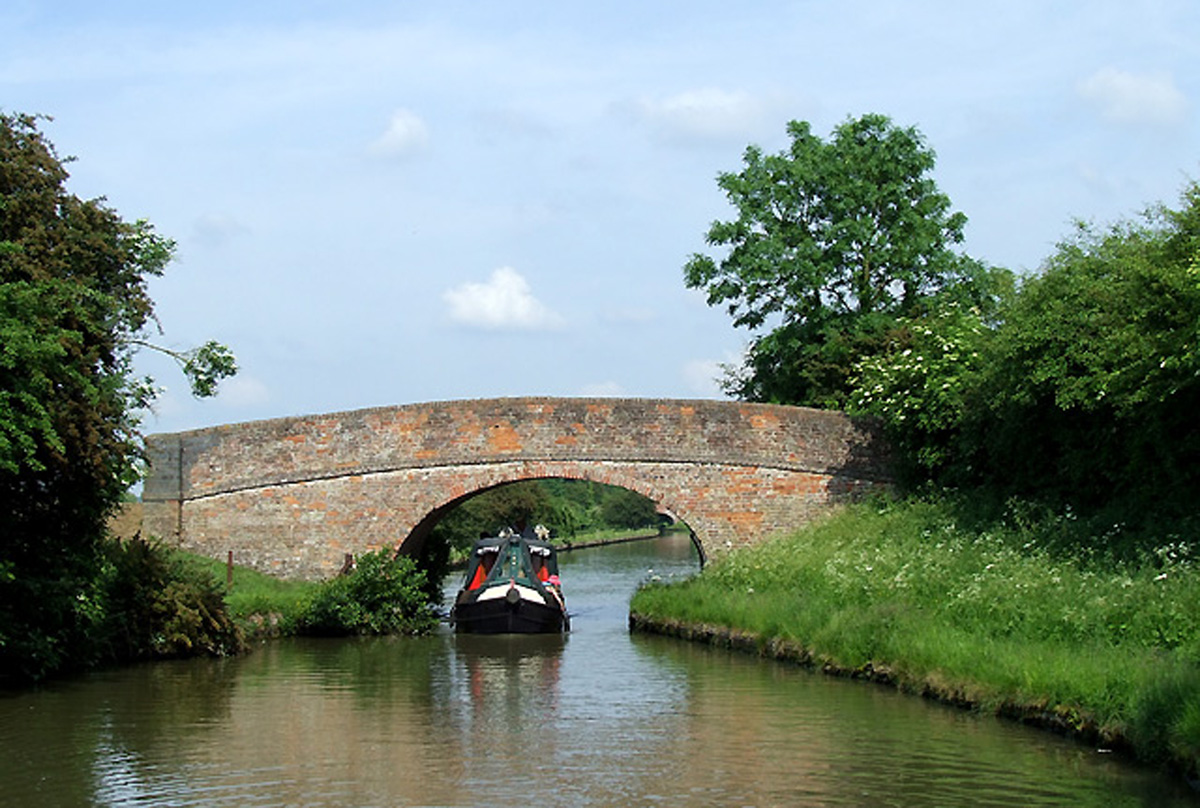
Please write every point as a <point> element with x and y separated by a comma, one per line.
<point>1093,381</point>
<point>628,509</point>
<point>992,611</point>
<point>154,604</point>
<point>832,241</point>
<point>489,511</point>
<point>919,387</point>
<point>809,363</point>
<point>385,594</point>
<point>74,308</point>
<point>565,506</point>
<point>1078,389</point>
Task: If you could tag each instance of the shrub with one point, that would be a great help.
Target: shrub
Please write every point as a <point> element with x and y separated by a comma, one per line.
<point>151,604</point>
<point>383,595</point>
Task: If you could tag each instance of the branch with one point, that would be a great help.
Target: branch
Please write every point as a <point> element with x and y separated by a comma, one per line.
<point>204,366</point>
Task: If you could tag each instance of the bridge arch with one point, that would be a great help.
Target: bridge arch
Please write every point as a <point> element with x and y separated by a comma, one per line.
<point>291,496</point>
<point>414,542</point>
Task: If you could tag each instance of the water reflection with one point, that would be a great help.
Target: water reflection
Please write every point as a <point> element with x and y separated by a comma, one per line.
<point>789,737</point>
<point>595,717</point>
<point>508,682</point>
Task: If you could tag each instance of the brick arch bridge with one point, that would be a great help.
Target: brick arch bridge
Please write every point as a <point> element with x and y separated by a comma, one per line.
<point>292,496</point>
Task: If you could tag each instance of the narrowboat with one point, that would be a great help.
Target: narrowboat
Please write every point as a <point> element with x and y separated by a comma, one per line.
<point>511,587</point>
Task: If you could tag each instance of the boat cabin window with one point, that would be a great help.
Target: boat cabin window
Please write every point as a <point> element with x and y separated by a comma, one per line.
<point>487,560</point>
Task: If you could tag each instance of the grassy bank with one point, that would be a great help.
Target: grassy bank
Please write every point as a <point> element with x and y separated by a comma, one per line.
<point>986,617</point>
<point>384,595</point>
<point>260,603</point>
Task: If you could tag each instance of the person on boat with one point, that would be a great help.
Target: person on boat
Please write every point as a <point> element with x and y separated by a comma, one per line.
<point>540,570</point>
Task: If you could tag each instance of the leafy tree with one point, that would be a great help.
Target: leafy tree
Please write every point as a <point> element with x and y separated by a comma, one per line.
<point>1080,388</point>
<point>918,388</point>
<point>833,241</point>
<point>920,384</point>
<point>491,510</point>
<point>628,509</point>
<point>1093,382</point>
<point>564,506</point>
<point>74,309</point>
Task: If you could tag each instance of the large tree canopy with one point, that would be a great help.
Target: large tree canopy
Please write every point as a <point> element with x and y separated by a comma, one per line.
<point>73,310</point>
<point>833,240</point>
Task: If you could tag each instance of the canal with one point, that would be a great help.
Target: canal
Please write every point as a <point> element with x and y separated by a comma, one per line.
<point>596,718</point>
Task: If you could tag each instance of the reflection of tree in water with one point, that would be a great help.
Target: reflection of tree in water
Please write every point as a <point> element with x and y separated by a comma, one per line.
<point>379,673</point>
<point>101,732</point>
<point>157,698</point>
<point>142,719</point>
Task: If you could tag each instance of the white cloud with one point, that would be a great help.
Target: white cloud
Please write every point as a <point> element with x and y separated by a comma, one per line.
<point>629,316</point>
<point>217,229</point>
<point>707,114</point>
<point>505,302</point>
<point>405,135</point>
<point>1130,98</point>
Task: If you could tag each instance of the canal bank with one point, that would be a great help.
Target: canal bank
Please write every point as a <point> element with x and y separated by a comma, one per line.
<point>1106,653</point>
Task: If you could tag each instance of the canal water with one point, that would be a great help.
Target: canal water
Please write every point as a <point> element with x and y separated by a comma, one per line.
<point>596,718</point>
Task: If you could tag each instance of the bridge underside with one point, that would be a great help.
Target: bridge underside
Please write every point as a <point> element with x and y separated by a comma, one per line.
<point>305,529</point>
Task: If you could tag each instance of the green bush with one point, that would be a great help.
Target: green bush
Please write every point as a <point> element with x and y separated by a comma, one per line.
<point>152,604</point>
<point>1079,388</point>
<point>383,595</point>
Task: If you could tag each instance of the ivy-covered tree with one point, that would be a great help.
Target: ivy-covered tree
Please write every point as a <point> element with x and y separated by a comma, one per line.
<point>74,309</point>
<point>832,242</point>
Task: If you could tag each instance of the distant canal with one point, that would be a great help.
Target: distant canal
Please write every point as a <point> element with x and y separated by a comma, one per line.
<point>598,718</point>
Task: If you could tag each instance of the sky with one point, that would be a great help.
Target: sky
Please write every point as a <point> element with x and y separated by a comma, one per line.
<point>380,203</point>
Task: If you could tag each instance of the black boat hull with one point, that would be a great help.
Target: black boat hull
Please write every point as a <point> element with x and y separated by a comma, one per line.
<point>505,616</point>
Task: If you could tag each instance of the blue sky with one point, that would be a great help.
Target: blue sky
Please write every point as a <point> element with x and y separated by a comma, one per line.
<point>383,203</point>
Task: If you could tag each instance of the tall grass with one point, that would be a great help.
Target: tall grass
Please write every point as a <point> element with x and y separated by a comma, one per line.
<point>988,616</point>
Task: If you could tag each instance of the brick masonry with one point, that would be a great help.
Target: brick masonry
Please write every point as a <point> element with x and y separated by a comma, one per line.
<point>292,496</point>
